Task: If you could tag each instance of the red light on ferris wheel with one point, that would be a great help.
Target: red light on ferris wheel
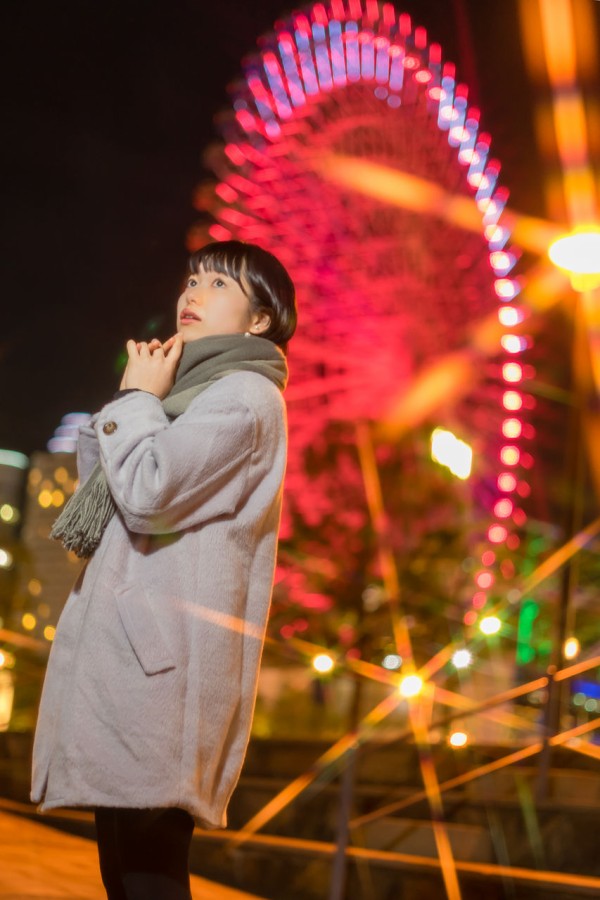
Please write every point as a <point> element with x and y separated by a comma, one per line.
<point>509,316</point>
<point>512,372</point>
<point>513,343</point>
<point>424,76</point>
<point>510,455</point>
<point>512,400</point>
<point>512,428</point>
<point>497,534</point>
<point>503,508</point>
<point>507,482</point>
<point>484,580</point>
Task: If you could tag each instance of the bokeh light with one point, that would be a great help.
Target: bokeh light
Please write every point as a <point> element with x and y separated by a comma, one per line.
<point>450,451</point>
<point>29,621</point>
<point>323,663</point>
<point>411,686</point>
<point>571,648</point>
<point>490,625</point>
<point>458,739</point>
<point>462,659</point>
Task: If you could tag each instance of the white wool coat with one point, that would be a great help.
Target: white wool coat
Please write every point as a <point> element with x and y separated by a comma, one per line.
<point>151,682</point>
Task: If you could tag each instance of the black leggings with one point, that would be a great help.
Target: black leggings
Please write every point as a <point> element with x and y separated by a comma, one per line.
<point>144,853</point>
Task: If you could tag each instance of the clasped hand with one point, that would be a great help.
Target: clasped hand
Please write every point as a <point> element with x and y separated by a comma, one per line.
<point>152,366</point>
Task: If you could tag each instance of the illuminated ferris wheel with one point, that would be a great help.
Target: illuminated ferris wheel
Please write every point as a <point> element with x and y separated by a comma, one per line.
<point>401,300</point>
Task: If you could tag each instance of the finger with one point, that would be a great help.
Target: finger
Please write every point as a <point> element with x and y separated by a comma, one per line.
<point>177,349</point>
<point>154,344</point>
<point>132,349</point>
<point>144,350</point>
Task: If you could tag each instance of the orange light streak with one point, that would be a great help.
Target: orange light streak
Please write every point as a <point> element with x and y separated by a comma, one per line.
<point>323,849</point>
<point>331,757</point>
<point>22,640</point>
<point>584,747</point>
<point>398,188</point>
<point>372,484</point>
<point>419,713</point>
<point>558,41</point>
<point>556,740</point>
<point>561,556</point>
<point>465,704</point>
<point>577,669</point>
<point>571,129</point>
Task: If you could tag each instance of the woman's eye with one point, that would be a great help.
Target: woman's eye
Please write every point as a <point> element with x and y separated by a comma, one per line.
<point>219,282</point>
<point>192,282</point>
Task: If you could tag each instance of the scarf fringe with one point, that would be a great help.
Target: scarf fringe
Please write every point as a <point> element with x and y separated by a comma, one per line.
<point>83,521</point>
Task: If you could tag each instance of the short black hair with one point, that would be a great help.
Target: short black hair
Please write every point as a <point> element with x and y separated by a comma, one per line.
<point>262,278</point>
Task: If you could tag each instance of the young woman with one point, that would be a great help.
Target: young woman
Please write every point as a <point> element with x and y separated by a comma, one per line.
<point>150,688</point>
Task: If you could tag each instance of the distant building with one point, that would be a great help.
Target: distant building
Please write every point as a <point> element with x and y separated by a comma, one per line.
<point>13,472</point>
<point>46,571</point>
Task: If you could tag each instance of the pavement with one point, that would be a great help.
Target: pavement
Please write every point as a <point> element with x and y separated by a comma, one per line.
<point>38,861</point>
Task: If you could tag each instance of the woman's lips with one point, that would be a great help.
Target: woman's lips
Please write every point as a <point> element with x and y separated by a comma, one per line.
<point>188,316</point>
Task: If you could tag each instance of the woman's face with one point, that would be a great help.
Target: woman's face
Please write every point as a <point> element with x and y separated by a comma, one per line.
<point>212,303</point>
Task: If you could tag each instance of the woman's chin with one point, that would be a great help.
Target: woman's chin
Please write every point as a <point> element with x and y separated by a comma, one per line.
<point>190,334</point>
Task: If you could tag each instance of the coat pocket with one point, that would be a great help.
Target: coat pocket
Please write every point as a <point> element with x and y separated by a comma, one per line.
<point>142,631</point>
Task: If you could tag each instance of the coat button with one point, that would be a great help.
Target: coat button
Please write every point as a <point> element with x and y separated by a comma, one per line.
<point>109,428</point>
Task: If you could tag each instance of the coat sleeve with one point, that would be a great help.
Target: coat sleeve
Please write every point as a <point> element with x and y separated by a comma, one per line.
<point>166,477</point>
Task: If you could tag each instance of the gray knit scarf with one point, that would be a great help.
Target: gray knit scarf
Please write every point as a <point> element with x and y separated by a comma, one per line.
<point>81,524</point>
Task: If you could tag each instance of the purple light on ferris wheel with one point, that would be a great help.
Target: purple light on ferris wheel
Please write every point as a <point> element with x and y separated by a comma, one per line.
<point>488,181</point>
<point>322,56</point>
<point>367,56</point>
<point>496,236</point>
<point>459,114</point>
<point>307,67</point>
<point>264,107</point>
<point>336,49</point>
<point>445,111</point>
<point>273,72</point>
<point>502,262</point>
<point>352,51</point>
<point>495,206</point>
<point>478,160</point>
<point>288,59</point>
<point>467,145</point>
<point>382,64</point>
<point>397,68</point>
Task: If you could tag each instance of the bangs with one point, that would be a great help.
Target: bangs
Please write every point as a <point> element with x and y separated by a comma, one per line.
<point>224,259</point>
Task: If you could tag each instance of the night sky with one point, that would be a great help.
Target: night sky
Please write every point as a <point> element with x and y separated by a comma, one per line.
<point>107,109</point>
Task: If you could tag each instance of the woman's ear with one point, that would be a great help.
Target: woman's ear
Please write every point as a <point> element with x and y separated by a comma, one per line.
<point>260,323</point>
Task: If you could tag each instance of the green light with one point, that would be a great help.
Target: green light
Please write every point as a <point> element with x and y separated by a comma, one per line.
<point>525,651</point>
